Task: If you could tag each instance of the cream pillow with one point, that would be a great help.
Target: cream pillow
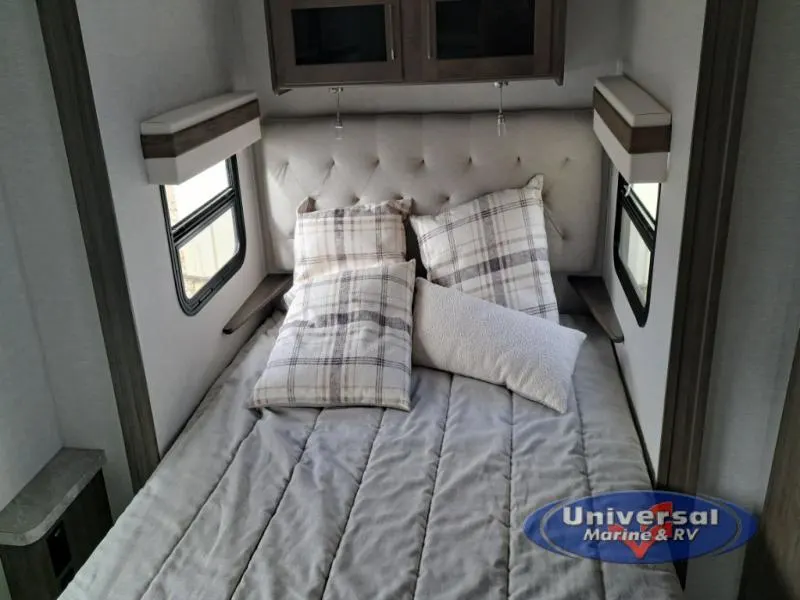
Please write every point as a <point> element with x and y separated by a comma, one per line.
<point>529,355</point>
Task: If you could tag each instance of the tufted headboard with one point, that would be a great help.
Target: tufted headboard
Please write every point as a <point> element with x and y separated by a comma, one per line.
<point>439,160</point>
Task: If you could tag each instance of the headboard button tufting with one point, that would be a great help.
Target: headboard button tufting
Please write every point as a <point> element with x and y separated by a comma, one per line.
<point>440,161</point>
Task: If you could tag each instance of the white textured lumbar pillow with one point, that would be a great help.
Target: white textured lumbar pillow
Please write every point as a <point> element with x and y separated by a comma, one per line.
<point>531,356</point>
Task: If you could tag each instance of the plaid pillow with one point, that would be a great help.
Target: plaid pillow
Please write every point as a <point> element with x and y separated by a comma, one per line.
<point>346,341</point>
<point>494,248</point>
<point>341,239</point>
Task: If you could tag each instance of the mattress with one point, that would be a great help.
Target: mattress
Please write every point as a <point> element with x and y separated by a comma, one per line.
<point>374,503</point>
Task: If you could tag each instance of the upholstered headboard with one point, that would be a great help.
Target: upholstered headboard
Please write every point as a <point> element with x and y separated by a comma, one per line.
<point>439,160</point>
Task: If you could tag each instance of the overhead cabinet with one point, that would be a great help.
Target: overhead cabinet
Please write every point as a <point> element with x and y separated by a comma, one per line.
<point>334,42</point>
<point>327,42</point>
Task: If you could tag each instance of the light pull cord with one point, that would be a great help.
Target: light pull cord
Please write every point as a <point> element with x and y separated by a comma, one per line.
<point>501,116</point>
<point>338,124</point>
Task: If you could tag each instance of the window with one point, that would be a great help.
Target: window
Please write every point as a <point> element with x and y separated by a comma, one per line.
<point>206,232</point>
<point>635,242</point>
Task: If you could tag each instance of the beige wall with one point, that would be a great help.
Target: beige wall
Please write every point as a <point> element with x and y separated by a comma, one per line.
<point>662,54</point>
<point>29,434</point>
<point>41,207</point>
<point>55,385</point>
<point>146,57</point>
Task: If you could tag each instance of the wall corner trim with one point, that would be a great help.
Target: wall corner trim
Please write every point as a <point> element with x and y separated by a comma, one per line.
<point>721,91</point>
<point>69,74</point>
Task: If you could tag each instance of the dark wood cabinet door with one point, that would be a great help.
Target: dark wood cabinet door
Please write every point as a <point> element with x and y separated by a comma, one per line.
<point>334,42</point>
<point>473,40</point>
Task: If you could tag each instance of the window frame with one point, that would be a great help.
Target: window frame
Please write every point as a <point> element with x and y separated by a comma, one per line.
<point>634,209</point>
<point>197,222</point>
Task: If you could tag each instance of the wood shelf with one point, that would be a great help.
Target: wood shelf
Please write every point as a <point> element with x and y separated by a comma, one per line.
<point>593,291</point>
<point>264,298</point>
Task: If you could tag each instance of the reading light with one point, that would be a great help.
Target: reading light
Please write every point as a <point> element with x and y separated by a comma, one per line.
<point>173,154</point>
<point>634,129</point>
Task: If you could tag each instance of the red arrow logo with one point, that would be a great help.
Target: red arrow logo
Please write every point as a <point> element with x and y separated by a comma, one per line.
<point>641,548</point>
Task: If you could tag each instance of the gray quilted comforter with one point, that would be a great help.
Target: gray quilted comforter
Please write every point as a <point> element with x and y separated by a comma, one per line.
<point>377,504</point>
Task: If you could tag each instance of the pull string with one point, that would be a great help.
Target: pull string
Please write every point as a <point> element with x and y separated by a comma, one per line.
<point>501,116</point>
<point>338,124</point>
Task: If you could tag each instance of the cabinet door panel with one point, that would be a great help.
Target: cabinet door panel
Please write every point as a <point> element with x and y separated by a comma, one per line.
<point>483,29</point>
<point>330,42</point>
<point>485,39</point>
<point>323,35</point>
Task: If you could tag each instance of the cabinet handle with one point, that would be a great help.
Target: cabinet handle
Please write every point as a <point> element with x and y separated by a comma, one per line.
<point>391,31</point>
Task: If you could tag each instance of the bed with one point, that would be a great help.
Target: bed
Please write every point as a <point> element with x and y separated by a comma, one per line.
<point>378,503</point>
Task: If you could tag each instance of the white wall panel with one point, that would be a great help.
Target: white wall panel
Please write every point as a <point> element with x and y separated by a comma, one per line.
<point>147,57</point>
<point>663,56</point>
<point>41,206</point>
<point>29,434</point>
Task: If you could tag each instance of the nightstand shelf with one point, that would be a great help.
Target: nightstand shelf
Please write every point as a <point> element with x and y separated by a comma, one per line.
<point>52,526</point>
<point>264,299</point>
<point>593,292</point>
